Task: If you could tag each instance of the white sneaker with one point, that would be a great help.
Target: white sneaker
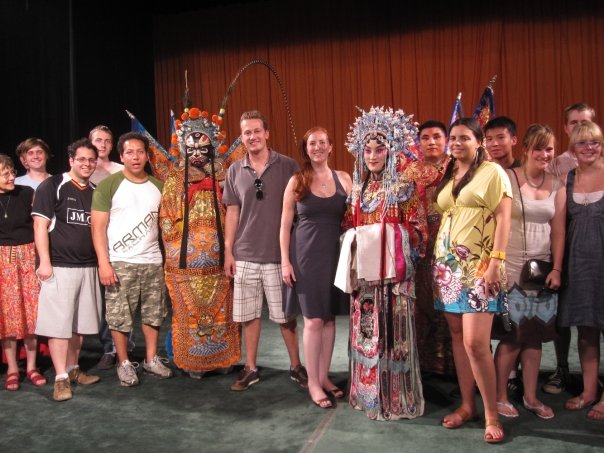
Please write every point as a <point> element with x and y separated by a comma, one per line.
<point>157,368</point>
<point>126,372</point>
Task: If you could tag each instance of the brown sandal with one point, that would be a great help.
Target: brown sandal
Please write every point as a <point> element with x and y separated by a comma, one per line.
<point>463,415</point>
<point>324,403</point>
<point>12,380</point>
<point>488,437</point>
<point>36,378</point>
<point>336,393</point>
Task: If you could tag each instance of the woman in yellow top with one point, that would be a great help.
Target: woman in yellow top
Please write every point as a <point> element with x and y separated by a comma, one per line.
<point>475,199</point>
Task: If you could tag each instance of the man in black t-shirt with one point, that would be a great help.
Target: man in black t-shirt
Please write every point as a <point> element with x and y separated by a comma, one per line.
<point>70,300</point>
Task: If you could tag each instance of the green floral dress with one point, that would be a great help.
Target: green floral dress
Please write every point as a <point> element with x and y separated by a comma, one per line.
<point>465,241</point>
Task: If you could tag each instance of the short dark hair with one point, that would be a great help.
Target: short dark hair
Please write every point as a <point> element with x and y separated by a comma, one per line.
<point>132,136</point>
<point>81,143</point>
<point>29,143</point>
<point>101,128</point>
<point>254,115</point>
<point>432,123</point>
<point>501,121</point>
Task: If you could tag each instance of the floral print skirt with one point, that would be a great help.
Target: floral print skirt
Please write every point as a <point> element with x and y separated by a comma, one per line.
<point>19,289</point>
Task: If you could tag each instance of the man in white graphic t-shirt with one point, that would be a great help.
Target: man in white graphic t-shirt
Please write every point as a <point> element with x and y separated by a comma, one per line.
<point>125,233</point>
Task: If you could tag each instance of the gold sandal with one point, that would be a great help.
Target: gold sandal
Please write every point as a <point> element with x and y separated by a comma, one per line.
<point>463,415</point>
<point>488,437</point>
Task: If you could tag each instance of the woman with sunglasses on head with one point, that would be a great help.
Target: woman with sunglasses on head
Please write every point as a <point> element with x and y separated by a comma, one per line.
<point>19,286</point>
<point>581,298</point>
<point>474,197</point>
<point>316,195</point>
<point>538,217</point>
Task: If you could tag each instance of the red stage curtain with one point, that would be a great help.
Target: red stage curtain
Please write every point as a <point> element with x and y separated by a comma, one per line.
<point>333,56</point>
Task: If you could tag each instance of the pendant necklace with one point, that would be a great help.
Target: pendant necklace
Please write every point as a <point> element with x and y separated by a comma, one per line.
<point>531,183</point>
<point>5,209</point>
<point>324,184</point>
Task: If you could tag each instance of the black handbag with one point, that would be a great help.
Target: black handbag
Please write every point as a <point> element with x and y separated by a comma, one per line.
<point>534,272</point>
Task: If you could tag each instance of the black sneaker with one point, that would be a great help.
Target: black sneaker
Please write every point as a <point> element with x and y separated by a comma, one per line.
<point>246,378</point>
<point>107,361</point>
<point>299,375</point>
<point>557,382</point>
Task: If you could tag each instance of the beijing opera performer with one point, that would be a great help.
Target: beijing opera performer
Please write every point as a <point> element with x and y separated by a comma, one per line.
<point>386,236</point>
<point>204,336</point>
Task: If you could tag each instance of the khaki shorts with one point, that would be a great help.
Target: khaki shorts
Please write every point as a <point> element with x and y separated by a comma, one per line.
<point>69,302</point>
<point>137,282</point>
<point>252,282</point>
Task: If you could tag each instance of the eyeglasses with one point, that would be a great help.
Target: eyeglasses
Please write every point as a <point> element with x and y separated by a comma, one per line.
<point>6,175</point>
<point>83,160</point>
<point>258,186</point>
<point>586,143</point>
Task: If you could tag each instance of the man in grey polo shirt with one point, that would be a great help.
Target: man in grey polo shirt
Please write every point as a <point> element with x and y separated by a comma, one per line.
<point>253,194</point>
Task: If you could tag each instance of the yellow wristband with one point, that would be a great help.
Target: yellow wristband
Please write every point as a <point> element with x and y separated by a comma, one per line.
<point>498,255</point>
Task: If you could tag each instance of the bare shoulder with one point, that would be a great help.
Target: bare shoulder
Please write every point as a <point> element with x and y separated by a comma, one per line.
<point>292,183</point>
<point>345,180</point>
<point>343,175</point>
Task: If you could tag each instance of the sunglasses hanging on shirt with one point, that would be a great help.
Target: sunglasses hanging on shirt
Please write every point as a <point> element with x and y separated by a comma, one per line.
<point>258,186</point>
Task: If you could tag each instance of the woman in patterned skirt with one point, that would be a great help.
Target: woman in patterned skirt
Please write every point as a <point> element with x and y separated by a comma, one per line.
<point>19,286</point>
<point>538,216</point>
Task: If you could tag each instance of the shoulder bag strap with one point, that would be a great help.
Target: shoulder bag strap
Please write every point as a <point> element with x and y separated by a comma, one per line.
<point>522,206</point>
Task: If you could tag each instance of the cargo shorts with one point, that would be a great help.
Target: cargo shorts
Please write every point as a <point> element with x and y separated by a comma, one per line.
<point>137,284</point>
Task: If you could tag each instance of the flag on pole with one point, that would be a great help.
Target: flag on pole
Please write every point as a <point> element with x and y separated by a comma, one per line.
<point>457,109</point>
<point>485,110</point>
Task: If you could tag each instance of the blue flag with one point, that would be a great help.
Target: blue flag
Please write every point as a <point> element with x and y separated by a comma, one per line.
<point>485,110</point>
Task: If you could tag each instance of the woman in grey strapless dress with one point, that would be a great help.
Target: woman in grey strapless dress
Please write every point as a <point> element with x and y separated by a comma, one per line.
<point>316,196</point>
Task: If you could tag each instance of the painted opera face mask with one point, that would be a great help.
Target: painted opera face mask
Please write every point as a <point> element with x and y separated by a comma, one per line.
<point>374,155</point>
<point>199,149</point>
